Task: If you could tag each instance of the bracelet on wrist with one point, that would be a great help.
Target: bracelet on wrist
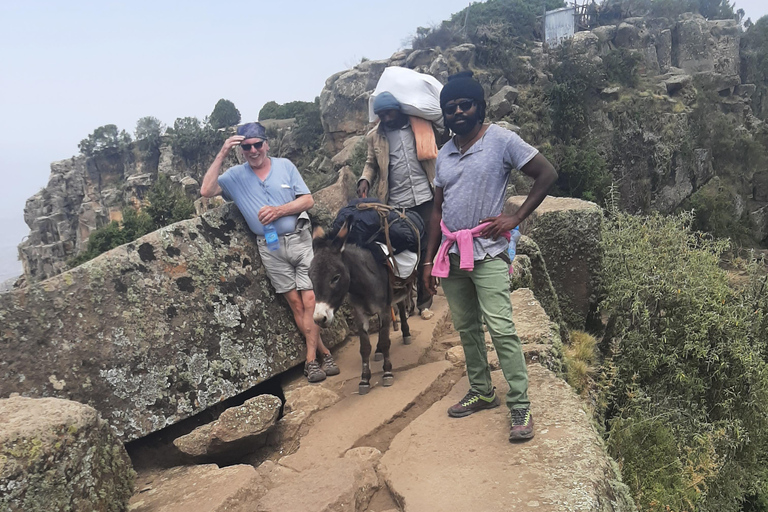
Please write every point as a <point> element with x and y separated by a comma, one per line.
<point>428,263</point>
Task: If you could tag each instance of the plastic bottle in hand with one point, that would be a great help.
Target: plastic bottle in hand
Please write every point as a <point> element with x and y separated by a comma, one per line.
<point>270,235</point>
<point>512,249</point>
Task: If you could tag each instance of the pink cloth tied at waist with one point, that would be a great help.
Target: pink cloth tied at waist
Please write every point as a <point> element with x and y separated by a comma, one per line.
<point>464,238</point>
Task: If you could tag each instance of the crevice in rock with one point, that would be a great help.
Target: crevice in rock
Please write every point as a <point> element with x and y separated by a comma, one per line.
<point>382,437</point>
<point>157,450</point>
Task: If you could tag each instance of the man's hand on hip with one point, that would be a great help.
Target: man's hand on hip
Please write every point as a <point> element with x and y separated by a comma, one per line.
<point>498,226</point>
<point>362,188</point>
<point>269,214</point>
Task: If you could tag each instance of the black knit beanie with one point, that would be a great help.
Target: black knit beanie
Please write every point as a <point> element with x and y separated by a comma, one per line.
<point>462,85</point>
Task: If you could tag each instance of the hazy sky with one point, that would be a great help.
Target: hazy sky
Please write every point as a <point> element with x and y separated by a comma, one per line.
<point>68,67</point>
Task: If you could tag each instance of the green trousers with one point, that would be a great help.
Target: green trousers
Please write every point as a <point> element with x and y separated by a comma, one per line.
<point>483,294</point>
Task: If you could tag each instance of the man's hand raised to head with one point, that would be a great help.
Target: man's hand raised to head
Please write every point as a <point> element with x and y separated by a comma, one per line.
<point>362,188</point>
<point>230,143</point>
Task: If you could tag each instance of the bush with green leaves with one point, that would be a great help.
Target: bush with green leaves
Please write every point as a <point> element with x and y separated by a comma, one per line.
<point>621,66</point>
<point>292,109</point>
<point>224,114</point>
<point>194,141</point>
<point>685,381</point>
<point>104,138</point>
<point>576,83</point>
<point>582,172</point>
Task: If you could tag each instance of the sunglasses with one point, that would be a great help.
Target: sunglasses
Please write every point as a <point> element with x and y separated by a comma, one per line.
<point>247,147</point>
<point>463,105</point>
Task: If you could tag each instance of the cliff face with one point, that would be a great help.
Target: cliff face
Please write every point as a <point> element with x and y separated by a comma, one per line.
<point>649,135</point>
<point>84,194</point>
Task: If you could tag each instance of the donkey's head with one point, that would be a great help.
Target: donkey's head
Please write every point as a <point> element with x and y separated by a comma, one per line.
<point>329,273</point>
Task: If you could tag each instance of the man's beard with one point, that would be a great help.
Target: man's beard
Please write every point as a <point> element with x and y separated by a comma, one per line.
<point>464,128</point>
<point>397,123</point>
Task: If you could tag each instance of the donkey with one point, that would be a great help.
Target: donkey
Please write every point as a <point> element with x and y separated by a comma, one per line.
<point>340,270</point>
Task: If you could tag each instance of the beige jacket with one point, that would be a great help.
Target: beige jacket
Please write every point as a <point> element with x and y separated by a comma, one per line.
<point>377,163</point>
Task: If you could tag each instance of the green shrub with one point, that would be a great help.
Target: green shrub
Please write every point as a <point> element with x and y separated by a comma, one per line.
<point>621,66</point>
<point>686,366</point>
<point>167,203</point>
<point>713,207</point>
<point>571,97</point>
<point>582,172</point>
<point>195,142</point>
<point>274,110</point>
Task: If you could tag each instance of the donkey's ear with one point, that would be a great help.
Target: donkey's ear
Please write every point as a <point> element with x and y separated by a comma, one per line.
<point>318,232</point>
<point>340,241</point>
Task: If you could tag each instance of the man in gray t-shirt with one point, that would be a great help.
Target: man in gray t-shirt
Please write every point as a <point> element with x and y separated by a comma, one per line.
<point>473,170</point>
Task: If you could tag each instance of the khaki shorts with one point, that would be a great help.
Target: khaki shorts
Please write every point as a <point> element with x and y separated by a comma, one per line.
<point>288,267</point>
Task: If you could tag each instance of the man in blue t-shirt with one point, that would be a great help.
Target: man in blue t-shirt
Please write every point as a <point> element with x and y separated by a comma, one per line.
<point>270,192</point>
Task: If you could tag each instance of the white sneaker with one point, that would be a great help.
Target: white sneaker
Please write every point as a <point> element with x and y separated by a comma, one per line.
<point>426,314</point>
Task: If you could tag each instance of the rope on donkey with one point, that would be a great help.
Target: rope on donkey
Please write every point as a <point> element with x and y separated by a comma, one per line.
<point>383,210</point>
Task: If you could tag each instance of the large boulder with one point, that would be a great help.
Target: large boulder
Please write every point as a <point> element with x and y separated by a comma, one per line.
<point>568,233</point>
<point>156,330</point>
<point>331,199</point>
<point>60,455</point>
<point>700,45</point>
<point>344,102</point>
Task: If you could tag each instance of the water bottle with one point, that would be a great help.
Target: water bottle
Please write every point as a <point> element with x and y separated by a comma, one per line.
<point>512,248</point>
<point>270,235</point>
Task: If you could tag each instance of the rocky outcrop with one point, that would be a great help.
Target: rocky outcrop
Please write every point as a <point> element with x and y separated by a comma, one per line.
<point>568,233</point>
<point>156,330</point>
<point>60,455</point>
<point>84,194</point>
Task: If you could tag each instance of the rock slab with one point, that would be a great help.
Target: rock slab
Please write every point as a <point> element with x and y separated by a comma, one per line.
<point>156,330</point>
<point>434,461</point>
<point>60,455</point>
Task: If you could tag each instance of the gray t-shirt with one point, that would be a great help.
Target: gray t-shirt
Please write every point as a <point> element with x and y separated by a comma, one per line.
<point>474,184</point>
<point>408,183</point>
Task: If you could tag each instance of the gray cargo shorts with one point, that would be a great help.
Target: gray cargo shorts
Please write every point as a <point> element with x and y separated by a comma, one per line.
<point>288,267</point>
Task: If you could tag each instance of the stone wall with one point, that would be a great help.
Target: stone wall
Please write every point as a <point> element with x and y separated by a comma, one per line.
<point>154,331</point>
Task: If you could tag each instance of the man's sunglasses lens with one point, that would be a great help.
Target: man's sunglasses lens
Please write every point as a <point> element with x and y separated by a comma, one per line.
<point>247,147</point>
<point>464,106</point>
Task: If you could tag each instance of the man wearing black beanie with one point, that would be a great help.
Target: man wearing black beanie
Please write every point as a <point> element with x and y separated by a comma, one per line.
<point>473,170</point>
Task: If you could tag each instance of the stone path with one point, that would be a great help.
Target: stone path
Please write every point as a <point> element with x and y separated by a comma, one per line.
<point>396,449</point>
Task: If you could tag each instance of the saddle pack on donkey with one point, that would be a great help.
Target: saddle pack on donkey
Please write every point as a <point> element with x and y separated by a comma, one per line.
<point>394,236</point>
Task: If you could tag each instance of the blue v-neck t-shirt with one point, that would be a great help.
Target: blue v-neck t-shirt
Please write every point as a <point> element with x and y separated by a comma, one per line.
<point>282,185</point>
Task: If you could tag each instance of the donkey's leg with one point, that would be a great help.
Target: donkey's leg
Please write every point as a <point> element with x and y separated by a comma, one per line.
<point>384,344</point>
<point>365,351</point>
<point>401,306</point>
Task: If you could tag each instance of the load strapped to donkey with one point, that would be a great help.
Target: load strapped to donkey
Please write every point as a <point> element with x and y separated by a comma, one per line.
<point>394,236</point>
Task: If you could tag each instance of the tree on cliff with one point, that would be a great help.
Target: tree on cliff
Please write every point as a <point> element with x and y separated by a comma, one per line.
<point>224,114</point>
<point>149,129</point>
<point>103,138</point>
